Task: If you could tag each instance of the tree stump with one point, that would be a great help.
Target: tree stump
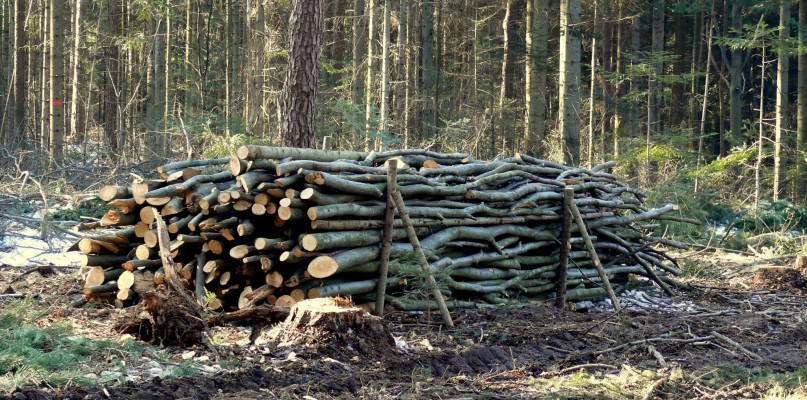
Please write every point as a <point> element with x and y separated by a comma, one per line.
<point>333,324</point>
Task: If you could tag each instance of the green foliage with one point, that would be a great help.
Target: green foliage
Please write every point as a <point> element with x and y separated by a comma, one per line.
<point>777,216</point>
<point>30,355</point>
<point>95,208</point>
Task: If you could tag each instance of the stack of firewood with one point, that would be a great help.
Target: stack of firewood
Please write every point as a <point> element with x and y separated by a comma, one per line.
<point>279,225</point>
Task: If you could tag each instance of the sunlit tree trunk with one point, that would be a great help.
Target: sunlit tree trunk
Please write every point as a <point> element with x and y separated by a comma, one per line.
<point>782,70</point>
<point>569,81</point>
<point>801,118</point>
<point>302,76</point>
<point>535,76</point>
<point>57,98</point>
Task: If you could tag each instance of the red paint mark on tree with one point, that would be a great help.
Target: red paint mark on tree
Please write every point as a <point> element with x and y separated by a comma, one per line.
<point>57,103</point>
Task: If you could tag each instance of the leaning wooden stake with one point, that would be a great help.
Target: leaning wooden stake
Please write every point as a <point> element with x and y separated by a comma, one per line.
<point>565,235</point>
<point>424,264</point>
<point>386,242</point>
<point>593,253</point>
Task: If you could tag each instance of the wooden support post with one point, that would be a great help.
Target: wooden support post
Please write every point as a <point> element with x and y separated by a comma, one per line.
<point>424,263</point>
<point>386,242</point>
<point>565,246</point>
<point>581,225</point>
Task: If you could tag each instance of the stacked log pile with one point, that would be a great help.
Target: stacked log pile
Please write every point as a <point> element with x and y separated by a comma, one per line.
<point>279,225</point>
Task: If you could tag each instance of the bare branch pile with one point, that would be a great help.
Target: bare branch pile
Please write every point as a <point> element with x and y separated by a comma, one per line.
<point>279,225</point>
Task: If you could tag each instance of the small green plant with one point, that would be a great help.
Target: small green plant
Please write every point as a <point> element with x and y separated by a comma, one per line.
<point>95,208</point>
<point>30,355</point>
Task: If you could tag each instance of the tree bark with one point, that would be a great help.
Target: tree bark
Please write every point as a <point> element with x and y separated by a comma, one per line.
<point>535,76</point>
<point>113,79</point>
<point>782,71</point>
<point>428,72</point>
<point>57,79</point>
<point>302,77</point>
<point>20,78</point>
<point>801,119</point>
<point>569,81</point>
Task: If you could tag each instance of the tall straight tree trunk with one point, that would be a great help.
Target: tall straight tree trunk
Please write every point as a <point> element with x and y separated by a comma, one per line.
<point>75,110</point>
<point>402,95</point>
<point>385,61</point>
<point>677,100</point>
<point>20,78</point>
<point>635,39</point>
<point>702,130</point>
<point>653,85</point>
<point>44,87</point>
<point>569,81</point>
<point>801,118</point>
<point>57,99</point>
<point>428,72</point>
<point>359,48</point>
<point>113,76</point>
<point>535,76</point>
<point>228,65</point>
<point>592,88</point>
<point>761,137</point>
<point>736,76</point>
<point>302,76</point>
<point>782,70</point>
<point>505,60</point>
<point>607,35</point>
<point>368,85</point>
<point>620,115</point>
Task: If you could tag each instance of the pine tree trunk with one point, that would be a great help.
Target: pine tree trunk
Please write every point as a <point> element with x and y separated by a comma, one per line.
<point>302,76</point>
<point>368,84</point>
<point>428,72</point>
<point>357,83</point>
<point>20,78</point>
<point>44,86</point>
<point>736,76</point>
<point>402,95</point>
<point>635,39</point>
<point>592,87</point>
<point>783,65</point>
<point>653,85</point>
<point>801,118</point>
<point>113,78</point>
<point>385,61</point>
<point>536,63</point>
<point>75,110</point>
<point>619,117</point>
<point>569,81</point>
<point>505,60</point>
<point>57,99</point>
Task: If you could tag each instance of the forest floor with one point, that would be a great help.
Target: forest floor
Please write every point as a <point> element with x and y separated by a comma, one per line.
<point>734,337</point>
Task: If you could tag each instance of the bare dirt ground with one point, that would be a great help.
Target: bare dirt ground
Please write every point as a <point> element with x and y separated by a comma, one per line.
<point>732,338</point>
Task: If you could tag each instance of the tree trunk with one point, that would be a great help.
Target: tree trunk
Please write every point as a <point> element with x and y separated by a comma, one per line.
<point>75,110</point>
<point>653,85</point>
<point>736,76</point>
<point>505,59</point>
<point>385,61</point>
<point>112,78</point>
<point>635,39</point>
<point>783,65</point>
<point>592,87</point>
<point>569,81</point>
<point>20,79</point>
<point>801,119</point>
<point>619,117</point>
<point>57,99</point>
<point>535,76</point>
<point>428,72</point>
<point>302,76</point>
<point>368,85</point>
<point>357,83</point>
<point>402,95</point>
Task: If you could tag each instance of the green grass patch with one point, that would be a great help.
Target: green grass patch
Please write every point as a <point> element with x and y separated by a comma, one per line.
<point>50,356</point>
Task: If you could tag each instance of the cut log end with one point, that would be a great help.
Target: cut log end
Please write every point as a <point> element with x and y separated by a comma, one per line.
<point>323,267</point>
